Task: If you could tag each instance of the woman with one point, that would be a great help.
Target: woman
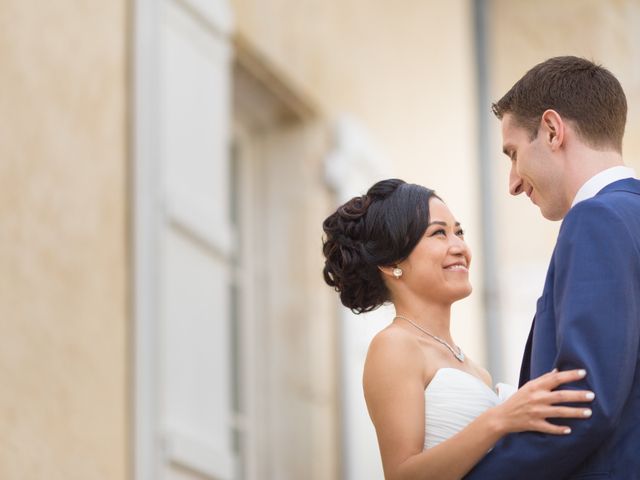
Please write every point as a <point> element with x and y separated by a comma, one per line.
<point>434,411</point>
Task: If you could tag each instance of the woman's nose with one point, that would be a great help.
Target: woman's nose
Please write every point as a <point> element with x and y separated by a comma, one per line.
<point>458,246</point>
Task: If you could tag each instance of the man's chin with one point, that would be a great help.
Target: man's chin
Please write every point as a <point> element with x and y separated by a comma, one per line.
<point>552,216</point>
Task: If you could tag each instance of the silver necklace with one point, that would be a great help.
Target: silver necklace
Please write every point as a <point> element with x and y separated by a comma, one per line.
<point>459,355</point>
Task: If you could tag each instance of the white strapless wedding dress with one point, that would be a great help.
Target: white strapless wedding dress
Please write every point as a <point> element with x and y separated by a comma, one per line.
<point>453,399</point>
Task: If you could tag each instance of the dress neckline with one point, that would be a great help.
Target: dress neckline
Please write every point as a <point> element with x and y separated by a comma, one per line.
<point>463,372</point>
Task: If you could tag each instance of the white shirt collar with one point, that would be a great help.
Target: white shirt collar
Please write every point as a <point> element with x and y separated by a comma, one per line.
<point>601,180</point>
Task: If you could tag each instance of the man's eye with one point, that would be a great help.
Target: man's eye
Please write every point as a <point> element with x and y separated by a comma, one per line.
<point>460,233</point>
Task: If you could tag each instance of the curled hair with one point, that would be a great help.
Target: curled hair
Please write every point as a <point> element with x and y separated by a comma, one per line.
<point>579,90</point>
<point>380,228</point>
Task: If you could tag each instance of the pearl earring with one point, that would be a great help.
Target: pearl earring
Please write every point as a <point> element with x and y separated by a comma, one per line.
<point>397,272</point>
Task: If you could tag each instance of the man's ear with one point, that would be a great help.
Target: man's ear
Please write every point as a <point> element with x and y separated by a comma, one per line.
<point>552,128</point>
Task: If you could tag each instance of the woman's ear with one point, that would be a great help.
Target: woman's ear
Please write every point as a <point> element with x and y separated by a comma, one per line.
<point>392,271</point>
<point>386,270</point>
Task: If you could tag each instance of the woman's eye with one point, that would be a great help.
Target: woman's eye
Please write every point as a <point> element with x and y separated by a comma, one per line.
<point>460,233</point>
<point>439,232</point>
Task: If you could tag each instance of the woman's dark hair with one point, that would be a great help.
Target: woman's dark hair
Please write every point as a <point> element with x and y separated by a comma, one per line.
<point>380,228</point>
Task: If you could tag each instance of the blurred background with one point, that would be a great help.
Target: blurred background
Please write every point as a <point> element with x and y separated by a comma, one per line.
<point>165,167</point>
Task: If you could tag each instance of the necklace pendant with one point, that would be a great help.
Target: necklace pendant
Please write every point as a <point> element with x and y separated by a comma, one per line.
<point>459,356</point>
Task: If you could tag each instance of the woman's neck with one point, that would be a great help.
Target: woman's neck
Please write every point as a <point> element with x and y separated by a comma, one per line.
<point>434,318</point>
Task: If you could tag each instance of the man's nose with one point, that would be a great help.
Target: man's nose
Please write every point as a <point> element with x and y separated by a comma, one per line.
<point>515,182</point>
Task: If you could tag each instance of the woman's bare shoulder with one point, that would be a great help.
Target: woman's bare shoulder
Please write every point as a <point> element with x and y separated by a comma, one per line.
<point>393,352</point>
<point>393,341</point>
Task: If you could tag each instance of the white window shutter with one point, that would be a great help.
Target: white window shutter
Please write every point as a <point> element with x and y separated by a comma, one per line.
<point>195,245</point>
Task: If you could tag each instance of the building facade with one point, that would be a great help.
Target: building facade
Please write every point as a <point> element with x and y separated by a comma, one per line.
<point>165,166</point>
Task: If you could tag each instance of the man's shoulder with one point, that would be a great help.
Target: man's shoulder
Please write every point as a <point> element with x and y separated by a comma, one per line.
<point>607,202</point>
<point>612,217</point>
<point>626,185</point>
<point>626,191</point>
<point>601,213</point>
<point>601,206</point>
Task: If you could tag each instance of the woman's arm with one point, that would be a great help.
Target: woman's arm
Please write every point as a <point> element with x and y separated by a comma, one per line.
<point>394,391</point>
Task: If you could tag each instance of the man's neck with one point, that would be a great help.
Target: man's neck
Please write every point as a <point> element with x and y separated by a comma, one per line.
<point>586,165</point>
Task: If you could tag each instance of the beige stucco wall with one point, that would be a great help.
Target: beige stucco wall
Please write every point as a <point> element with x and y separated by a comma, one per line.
<point>63,246</point>
<point>600,31</point>
<point>523,34</point>
<point>405,71</point>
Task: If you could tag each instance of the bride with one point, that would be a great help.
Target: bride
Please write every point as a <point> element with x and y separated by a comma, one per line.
<point>433,409</point>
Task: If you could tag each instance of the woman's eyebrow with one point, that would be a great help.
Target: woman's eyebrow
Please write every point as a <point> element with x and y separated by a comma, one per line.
<point>444,224</point>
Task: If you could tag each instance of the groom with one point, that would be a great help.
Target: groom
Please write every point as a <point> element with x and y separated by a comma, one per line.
<point>562,128</point>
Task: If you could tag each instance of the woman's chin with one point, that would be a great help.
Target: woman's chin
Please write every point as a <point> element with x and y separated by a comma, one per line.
<point>464,292</point>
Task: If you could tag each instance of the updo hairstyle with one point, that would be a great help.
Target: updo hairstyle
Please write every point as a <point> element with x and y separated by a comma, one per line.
<point>380,228</point>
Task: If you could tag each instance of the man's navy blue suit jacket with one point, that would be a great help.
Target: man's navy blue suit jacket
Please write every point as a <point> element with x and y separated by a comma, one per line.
<point>588,317</point>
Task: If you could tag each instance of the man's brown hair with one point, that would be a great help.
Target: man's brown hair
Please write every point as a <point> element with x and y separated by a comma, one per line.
<point>579,90</point>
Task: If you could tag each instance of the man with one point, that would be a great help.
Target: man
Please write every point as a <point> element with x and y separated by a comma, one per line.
<point>562,128</point>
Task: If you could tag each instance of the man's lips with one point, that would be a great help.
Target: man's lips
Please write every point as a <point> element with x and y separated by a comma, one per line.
<point>530,195</point>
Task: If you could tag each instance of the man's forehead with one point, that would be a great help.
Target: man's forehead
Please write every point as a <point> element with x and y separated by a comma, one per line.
<point>511,129</point>
<point>510,134</point>
<point>508,122</point>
